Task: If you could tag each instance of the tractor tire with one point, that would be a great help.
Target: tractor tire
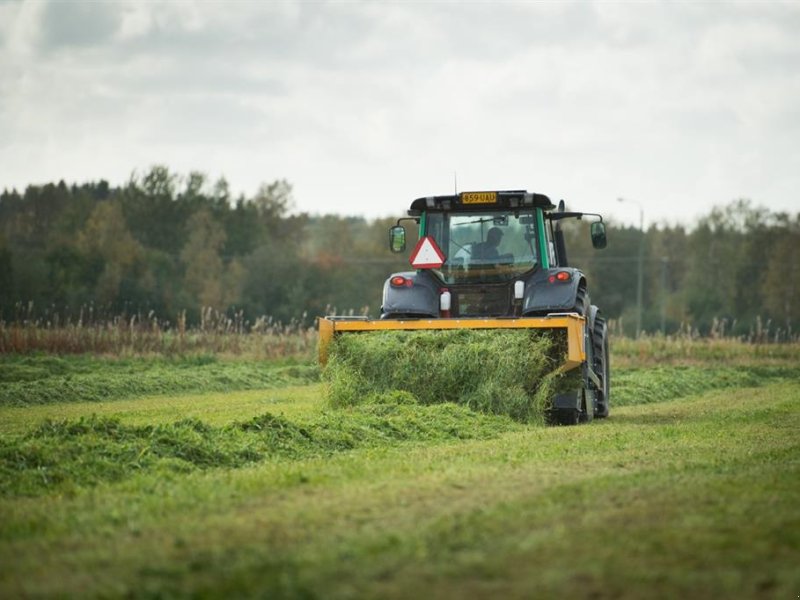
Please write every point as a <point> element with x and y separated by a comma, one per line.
<point>601,367</point>
<point>580,301</point>
<point>574,416</point>
<point>565,416</point>
<point>587,412</point>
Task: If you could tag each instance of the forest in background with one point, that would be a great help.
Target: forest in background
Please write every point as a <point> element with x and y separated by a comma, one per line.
<point>172,247</point>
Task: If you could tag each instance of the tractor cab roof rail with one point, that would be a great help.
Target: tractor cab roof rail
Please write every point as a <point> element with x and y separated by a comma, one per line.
<point>472,201</point>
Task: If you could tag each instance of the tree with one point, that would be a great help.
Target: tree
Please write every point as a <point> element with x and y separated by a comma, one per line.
<point>152,213</point>
<point>207,280</point>
<point>274,200</point>
<point>668,266</point>
<point>106,237</point>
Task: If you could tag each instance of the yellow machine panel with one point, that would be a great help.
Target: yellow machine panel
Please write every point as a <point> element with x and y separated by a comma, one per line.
<point>573,325</point>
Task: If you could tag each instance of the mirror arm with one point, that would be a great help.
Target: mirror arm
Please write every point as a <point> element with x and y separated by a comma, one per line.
<point>572,215</point>
<point>415,219</point>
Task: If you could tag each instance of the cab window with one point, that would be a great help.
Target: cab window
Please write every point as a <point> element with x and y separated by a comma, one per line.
<point>484,247</point>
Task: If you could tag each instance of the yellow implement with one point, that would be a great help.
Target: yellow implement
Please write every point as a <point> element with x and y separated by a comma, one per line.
<point>573,325</point>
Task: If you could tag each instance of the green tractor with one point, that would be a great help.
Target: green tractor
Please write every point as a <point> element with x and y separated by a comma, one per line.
<point>497,260</point>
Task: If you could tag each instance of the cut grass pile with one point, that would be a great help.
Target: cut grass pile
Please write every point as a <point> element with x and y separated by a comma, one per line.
<point>506,372</point>
<point>30,380</point>
<point>66,455</point>
<point>691,498</point>
<point>496,372</point>
<point>658,384</point>
<point>273,493</point>
<point>88,449</point>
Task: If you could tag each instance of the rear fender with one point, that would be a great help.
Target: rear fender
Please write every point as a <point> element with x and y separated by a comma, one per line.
<point>420,298</point>
<point>542,296</point>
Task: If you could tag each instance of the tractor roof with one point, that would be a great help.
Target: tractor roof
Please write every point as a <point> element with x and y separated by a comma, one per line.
<point>472,201</point>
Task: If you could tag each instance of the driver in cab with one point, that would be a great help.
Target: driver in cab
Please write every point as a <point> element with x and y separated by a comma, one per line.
<point>486,252</point>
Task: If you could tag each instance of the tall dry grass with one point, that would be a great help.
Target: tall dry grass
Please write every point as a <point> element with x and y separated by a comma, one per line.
<point>265,338</point>
<point>759,331</point>
<point>216,333</point>
<point>667,350</point>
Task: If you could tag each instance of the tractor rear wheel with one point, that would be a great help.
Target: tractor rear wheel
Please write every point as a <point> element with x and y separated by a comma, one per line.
<point>565,416</point>
<point>573,416</point>
<point>601,366</point>
<point>587,409</point>
<point>580,301</point>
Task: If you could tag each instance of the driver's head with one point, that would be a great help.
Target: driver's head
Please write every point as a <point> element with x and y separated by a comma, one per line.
<point>494,236</point>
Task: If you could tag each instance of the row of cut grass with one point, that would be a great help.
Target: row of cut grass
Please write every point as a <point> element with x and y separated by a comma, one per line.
<point>84,449</point>
<point>511,372</point>
<point>214,408</point>
<point>142,391</point>
<point>657,384</point>
<point>682,498</point>
<point>65,455</point>
<point>26,381</point>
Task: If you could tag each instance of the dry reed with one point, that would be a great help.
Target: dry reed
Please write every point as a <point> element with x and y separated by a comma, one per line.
<point>216,333</point>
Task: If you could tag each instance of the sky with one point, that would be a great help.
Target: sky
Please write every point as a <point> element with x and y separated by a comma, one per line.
<point>674,107</point>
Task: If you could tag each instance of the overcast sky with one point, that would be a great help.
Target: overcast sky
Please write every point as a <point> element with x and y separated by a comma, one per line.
<point>364,106</point>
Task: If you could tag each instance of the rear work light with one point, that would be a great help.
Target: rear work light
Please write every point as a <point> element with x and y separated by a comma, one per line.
<point>400,281</point>
<point>562,276</point>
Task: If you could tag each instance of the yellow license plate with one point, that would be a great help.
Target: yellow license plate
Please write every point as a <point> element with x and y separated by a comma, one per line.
<point>478,197</point>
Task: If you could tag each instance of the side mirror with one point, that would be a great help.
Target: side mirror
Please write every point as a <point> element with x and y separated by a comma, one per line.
<point>397,239</point>
<point>598,231</point>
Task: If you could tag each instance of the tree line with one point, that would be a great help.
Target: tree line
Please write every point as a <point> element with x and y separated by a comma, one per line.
<point>167,245</point>
<point>735,271</point>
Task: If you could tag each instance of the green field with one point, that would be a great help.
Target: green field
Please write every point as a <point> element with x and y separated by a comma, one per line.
<point>155,477</point>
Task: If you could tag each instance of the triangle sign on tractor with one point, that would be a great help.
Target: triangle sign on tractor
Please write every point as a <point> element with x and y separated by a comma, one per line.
<point>427,254</point>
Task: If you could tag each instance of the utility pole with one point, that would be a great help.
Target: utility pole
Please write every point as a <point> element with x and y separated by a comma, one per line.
<point>640,269</point>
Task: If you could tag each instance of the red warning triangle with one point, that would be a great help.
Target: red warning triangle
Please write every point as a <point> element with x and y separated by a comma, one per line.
<point>427,254</point>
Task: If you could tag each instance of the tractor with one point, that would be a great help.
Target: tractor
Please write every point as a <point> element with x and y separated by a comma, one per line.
<point>498,260</point>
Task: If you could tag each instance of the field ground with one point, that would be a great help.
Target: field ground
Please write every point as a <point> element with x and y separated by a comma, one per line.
<point>158,478</point>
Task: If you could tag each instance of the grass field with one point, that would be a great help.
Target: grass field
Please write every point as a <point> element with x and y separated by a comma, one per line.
<point>154,477</point>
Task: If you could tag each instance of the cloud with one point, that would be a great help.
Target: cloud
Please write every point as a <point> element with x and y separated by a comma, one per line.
<point>81,24</point>
<point>673,104</point>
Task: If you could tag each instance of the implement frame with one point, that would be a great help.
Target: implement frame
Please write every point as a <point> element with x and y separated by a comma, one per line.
<point>574,324</point>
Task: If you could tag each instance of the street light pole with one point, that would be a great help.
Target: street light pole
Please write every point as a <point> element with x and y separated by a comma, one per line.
<point>640,273</point>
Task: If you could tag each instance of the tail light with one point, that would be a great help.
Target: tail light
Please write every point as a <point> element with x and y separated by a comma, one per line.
<point>400,281</point>
<point>561,276</point>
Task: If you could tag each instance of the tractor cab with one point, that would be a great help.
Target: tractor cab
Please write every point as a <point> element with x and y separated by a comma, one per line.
<point>494,255</point>
<point>492,245</point>
<point>486,237</point>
